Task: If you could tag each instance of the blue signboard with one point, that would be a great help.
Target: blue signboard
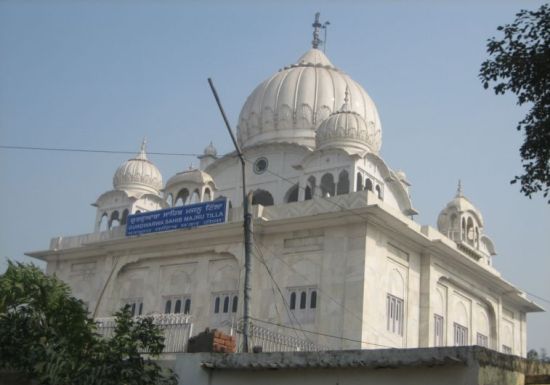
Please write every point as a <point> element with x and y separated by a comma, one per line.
<point>194,215</point>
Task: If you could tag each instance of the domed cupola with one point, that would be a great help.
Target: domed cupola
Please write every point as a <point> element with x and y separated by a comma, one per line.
<point>191,186</point>
<point>290,105</point>
<point>347,130</point>
<point>461,221</point>
<point>137,184</point>
<point>138,174</point>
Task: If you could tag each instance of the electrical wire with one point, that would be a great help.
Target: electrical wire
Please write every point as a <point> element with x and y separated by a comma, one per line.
<point>291,315</point>
<point>325,294</point>
<point>321,334</point>
<point>86,150</point>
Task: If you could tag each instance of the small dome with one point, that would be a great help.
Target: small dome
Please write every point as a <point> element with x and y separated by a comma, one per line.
<point>346,129</point>
<point>138,173</point>
<point>210,150</point>
<point>191,176</point>
<point>290,105</point>
<point>460,204</point>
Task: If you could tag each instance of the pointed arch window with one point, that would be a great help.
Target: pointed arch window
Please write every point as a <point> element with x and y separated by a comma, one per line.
<point>359,186</point>
<point>302,304</point>
<point>343,183</point>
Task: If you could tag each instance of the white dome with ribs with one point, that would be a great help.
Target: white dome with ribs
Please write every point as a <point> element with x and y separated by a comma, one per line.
<point>290,105</point>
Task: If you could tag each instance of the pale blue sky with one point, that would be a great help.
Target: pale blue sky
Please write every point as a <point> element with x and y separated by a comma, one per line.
<point>102,75</point>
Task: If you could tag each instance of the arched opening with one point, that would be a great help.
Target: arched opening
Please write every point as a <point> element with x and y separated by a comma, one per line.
<point>293,300</point>
<point>470,231</point>
<point>124,217</point>
<point>177,308</point>
<point>327,185</point>
<point>187,308</point>
<point>182,197</point>
<point>217,305</point>
<point>195,197</point>
<point>343,183</point>
<point>115,220</point>
<point>235,304</point>
<point>359,186</point>
<point>368,184</point>
<point>379,191</point>
<point>292,194</point>
<point>168,307</point>
<point>226,304</point>
<point>303,299</point>
<point>262,197</point>
<point>207,195</point>
<point>463,232</point>
<point>104,222</point>
<point>310,188</point>
<point>170,200</point>
<point>313,299</point>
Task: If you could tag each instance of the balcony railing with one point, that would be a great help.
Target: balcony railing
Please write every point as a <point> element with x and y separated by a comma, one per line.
<point>176,328</point>
<point>272,341</point>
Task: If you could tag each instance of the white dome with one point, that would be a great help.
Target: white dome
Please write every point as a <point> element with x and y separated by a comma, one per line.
<point>290,105</point>
<point>191,176</point>
<point>348,130</point>
<point>138,174</point>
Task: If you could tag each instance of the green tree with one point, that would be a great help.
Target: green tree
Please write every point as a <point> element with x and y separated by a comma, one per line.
<point>46,334</point>
<point>520,63</point>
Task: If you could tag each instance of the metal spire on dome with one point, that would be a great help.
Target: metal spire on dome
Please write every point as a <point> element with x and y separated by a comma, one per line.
<point>142,151</point>
<point>345,106</point>
<point>317,26</point>
<point>459,191</point>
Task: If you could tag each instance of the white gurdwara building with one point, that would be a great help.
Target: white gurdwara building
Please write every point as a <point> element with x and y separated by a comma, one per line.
<point>335,250</point>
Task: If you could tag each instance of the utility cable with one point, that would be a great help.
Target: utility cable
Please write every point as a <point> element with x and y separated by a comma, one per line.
<point>352,313</point>
<point>322,334</point>
<point>291,315</point>
<point>87,150</point>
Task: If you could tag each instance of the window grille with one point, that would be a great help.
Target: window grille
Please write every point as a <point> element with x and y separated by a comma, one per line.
<point>482,340</point>
<point>439,329</point>
<point>461,335</point>
<point>395,310</point>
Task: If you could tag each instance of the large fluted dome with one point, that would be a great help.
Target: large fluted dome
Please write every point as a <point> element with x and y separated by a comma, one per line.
<point>138,173</point>
<point>290,105</point>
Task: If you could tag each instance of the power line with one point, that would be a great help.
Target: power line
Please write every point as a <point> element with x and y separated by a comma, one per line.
<point>291,315</point>
<point>352,313</point>
<point>539,297</point>
<point>87,150</point>
<point>321,334</point>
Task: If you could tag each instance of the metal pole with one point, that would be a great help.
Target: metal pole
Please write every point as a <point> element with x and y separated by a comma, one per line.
<point>247,227</point>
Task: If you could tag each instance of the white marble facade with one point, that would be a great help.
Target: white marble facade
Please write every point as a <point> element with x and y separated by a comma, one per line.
<point>332,223</point>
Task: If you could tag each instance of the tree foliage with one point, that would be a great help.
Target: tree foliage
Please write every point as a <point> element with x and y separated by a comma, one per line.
<point>520,63</point>
<point>46,334</point>
<point>536,356</point>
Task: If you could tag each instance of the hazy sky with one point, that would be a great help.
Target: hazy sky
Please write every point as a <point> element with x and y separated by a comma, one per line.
<point>102,75</point>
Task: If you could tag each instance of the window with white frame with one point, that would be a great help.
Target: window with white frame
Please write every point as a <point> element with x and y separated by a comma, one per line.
<point>506,349</point>
<point>394,313</point>
<point>302,303</point>
<point>439,329</point>
<point>461,335</point>
<point>135,304</point>
<point>177,304</point>
<point>224,306</point>
<point>482,340</point>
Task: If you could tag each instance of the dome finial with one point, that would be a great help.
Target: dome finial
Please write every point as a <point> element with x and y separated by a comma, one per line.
<point>316,27</point>
<point>142,151</point>
<point>345,106</point>
<point>459,191</point>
